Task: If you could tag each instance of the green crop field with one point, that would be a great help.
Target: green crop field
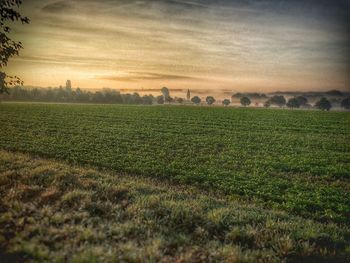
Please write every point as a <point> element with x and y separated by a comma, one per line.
<point>291,161</point>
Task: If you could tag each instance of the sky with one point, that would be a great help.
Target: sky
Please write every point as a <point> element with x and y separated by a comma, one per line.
<point>211,46</point>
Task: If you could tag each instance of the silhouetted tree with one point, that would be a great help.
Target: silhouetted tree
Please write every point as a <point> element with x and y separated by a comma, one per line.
<point>323,104</point>
<point>345,103</point>
<point>293,103</point>
<point>210,100</point>
<point>278,100</point>
<point>196,100</point>
<point>8,47</point>
<point>226,102</point>
<point>245,101</point>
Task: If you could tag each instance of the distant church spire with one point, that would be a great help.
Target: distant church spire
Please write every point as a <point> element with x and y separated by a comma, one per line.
<point>188,94</point>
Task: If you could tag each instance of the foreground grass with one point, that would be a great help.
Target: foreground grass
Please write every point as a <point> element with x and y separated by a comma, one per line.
<point>298,161</point>
<point>53,212</point>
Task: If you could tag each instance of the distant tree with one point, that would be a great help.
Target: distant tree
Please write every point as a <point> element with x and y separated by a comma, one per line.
<point>196,100</point>
<point>180,100</point>
<point>302,100</point>
<point>81,96</point>
<point>127,98</point>
<point>226,102</point>
<point>147,100</point>
<point>323,104</point>
<point>293,103</point>
<point>160,99</point>
<point>8,47</point>
<point>166,93</point>
<point>334,93</point>
<point>346,103</point>
<point>245,101</point>
<point>136,98</point>
<point>169,99</point>
<point>237,96</point>
<point>35,94</point>
<point>109,95</point>
<point>50,95</point>
<point>210,100</point>
<point>98,97</point>
<point>251,95</point>
<point>267,104</point>
<point>278,100</point>
<point>117,98</point>
<point>61,94</point>
<point>152,97</point>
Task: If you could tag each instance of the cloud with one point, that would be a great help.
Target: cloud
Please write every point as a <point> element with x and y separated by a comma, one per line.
<point>58,7</point>
<point>150,90</point>
<point>250,43</point>
<point>139,76</point>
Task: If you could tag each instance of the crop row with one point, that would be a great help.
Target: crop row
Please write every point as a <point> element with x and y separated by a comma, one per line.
<point>298,161</point>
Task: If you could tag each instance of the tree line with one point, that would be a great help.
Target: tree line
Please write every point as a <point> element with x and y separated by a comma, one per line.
<point>111,96</point>
<point>297,102</point>
<point>70,95</point>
